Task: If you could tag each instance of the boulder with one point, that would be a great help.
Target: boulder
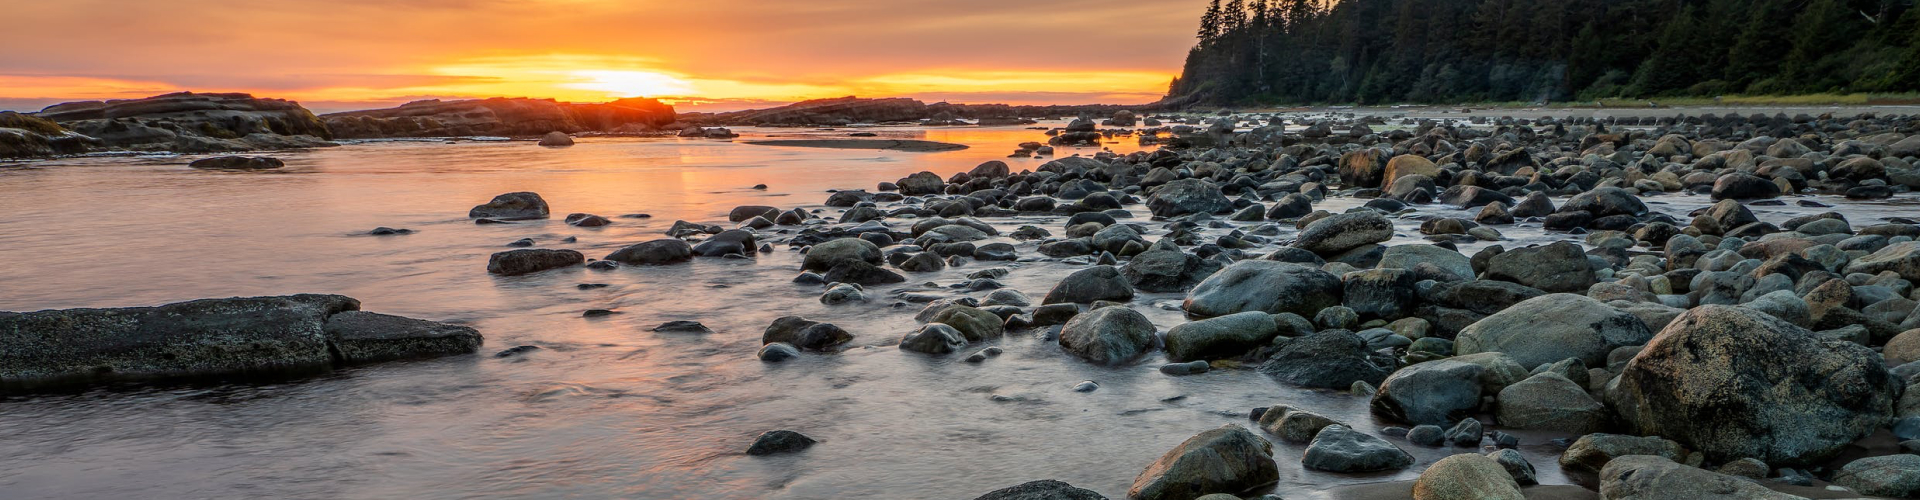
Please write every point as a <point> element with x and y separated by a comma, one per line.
<point>1553,327</point>
<point>779,441</point>
<point>1045,489</point>
<point>237,163</point>
<point>1467,476</point>
<point>1188,196</point>
<point>1409,256</point>
<point>1330,359</point>
<point>1090,285</point>
<point>241,336</point>
<point>1223,337</point>
<point>1435,392</point>
<point>1108,335</point>
<point>1163,271</point>
<point>934,338</point>
<point>1593,451</point>
<point>532,260</point>
<point>1736,383</point>
<point>511,206</point>
<point>1645,477</point>
<point>657,252</point>
<point>1341,449</point>
<point>1228,459</point>
<point>1552,402</point>
<point>1266,286</point>
<point>1339,233</point>
<point>556,139</point>
<point>1901,258</point>
<point>804,334</point>
<point>825,255</point>
<point>1896,476</point>
<point>1557,268</point>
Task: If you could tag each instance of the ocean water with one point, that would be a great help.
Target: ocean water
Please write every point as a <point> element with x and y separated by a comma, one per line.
<point>607,409</point>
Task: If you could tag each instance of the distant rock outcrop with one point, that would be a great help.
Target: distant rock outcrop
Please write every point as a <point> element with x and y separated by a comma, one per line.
<point>24,136</point>
<point>186,122</point>
<point>515,117</point>
<point>842,111</point>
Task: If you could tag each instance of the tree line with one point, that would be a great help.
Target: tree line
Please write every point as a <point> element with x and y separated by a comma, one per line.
<point>1387,51</point>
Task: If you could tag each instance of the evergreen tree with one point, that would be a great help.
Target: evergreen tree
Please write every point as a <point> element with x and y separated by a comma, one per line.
<point>1210,23</point>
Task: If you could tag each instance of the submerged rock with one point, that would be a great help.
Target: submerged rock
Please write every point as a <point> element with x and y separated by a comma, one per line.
<point>779,441</point>
<point>237,163</point>
<point>1108,335</point>
<point>527,261</point>
<point>512,206</point>
<point>1045,489</point>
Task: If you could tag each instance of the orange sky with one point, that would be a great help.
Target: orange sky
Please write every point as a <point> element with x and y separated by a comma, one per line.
<point>352,54</point>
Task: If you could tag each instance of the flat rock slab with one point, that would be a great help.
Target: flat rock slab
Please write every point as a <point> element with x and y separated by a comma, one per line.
<point>241,336</point>
<point>911,145</point>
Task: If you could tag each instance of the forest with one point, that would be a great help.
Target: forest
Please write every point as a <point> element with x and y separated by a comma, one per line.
<point>1449,51</point>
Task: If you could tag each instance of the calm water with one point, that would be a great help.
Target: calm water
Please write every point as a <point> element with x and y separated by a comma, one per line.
<point>608,408</point>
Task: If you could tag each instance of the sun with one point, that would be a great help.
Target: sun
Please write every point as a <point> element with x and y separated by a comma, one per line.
<point>632,83</point>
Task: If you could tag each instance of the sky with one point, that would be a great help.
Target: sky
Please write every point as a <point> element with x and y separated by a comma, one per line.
<point>337,55</point>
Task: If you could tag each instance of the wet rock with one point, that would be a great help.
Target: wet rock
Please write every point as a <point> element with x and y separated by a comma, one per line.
<point>1227,459</point>
<point>974,324</point>
<point>1223,337</point>
<point>1340,233</point>
<point>1735,383</point>
<point>1900,258</point>
<point>805,334</point>
<point>1332,359</point>
<point>1556,268</point>
<point>1551,401</point>
<point>388,231</point>
<point>842,293</point>
<point>657,252</point>
<point>527,261</point>
<point>1896,476</point>
<point>1435,392</point>
<point>1089,285</point>
<point>780,441</point>
<point>1651,477</point>
<point>1593,451</point>
<point>1739,186</point>
<point>683,326</point>
<point>1187,368</point>
<point>1188,196</point>
<point>934,338</point>
<point>241,336</point>
<point>862,273</point>
<point>1108,335</point>
<point>777,352</point>
<point>512,206</point>
<point>1343,450</point>
<point>1466,476</point>
<point>1411,256</point>
<point>1516,465</point>
<point>826,255</point>
<point>1553,327</point>
<point>237,163</point>
<point>1167,270</point>
<point>1266,286</point>
<point>1045,489</point>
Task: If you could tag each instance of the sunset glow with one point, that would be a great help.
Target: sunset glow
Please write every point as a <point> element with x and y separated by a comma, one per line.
<point>359,54</point>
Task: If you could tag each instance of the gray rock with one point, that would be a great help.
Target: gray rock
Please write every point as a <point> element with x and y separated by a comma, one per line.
<point>1427,435</point>
<point>528,261</point>
<point>1734,383</point>
<point>1339,233</point>
<point>777,352</point>
<point>1408,256</point>
<point>1896,476</point>
<point>1332,359</point>
<point>512,206</point>
<point>831,253</point>
<point>1267,286</point>
<point>1516,466</point>
<point>1654,478</point>
<point>1108,335</point>
<point>1551,401</point>
<point>805,334</point>
<point>1188,196</point>
<point>264,336</point>
<point>1343,450</point>
<point>1593,451</point>
<point>1556,268</point>
<point>1435,392</point>
<point>656,252</point>
<point>933,338</point>
<point>1045,489</point>
<point>1187,368</point>
<point>1226,459</point>
<point>1901,258</point>
<point>1090,285</point>
<point>780,441</point>
<point>1553,327</point>
<point>1466,476</point>
<point>1224,337</point>
<point>1167,270</point>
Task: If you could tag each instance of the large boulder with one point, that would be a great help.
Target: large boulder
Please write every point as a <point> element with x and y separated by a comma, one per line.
<point>532,260</point>
<point>1901,258</point>
<point>1045,489</point>
<point>1557,268</point>
<point>1606,201</point>
<point>1736,383</point>
<point>1896,476</point>
<point>1435,392</point>
<point>830,253</point>
<point>1167,270</point>
<point>512,206</point>
<point>1188,196</point>
<point>1338,448</point>
<point>1409,256</point>
<point>1405,165</point>
<point>1223,337</point>
<point>241,336</point>
<point>1108,335</point>
<point>657,252</point>
<point>1467,476</point>
<point>1593,451</point>
<point>1090,285</point>
<point>1336,234</point>
<point>1552,402</point>
<point>805,334</point>
<point>1330,359</point>
<point>1229,459</point>
<point>1267,286</point>
<point>1648,477</point>
<point>1553,327</point>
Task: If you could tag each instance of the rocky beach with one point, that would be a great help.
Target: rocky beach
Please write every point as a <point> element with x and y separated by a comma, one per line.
<point>1351,303</point>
